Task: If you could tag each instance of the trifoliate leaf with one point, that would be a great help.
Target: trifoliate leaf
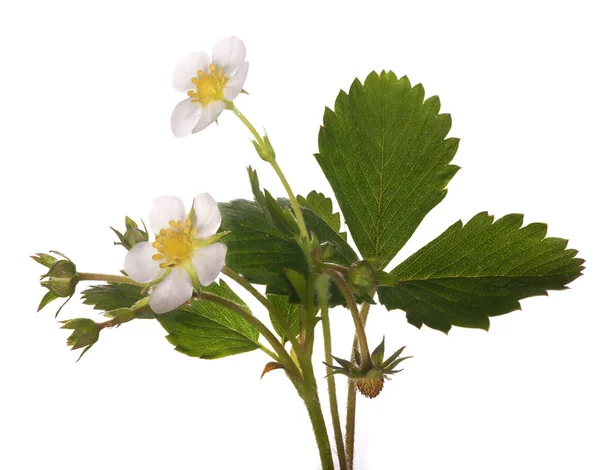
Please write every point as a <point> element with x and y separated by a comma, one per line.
<point>288,311</point>
<point>479,270</point>
<point>323,207</point>
<point>112,296</point>
<point>208,330</point>
<point>383,150</point>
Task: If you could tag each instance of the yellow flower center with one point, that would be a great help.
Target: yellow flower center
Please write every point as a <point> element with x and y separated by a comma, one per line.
<point>174,244</point>
<point>209,86</point>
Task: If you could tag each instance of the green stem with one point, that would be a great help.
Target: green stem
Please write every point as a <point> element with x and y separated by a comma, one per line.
<point>351,401</point>
<point>307,389</point>
<point>249,125</point>
<point>281,323</point>
<point>108,278</point>
<point>366,362</point>
<point>293,201</point>
<point>323,293</point>
<point>283,355</point>
<point>295,206</point>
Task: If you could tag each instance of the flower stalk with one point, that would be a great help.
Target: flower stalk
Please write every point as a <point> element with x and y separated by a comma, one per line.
<point>108,278</point>
<point>323,294</point>
<point>265,151</point>
<point>351,398</point>
<point>366,362</point>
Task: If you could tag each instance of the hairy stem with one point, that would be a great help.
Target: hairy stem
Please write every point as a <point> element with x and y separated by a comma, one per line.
<point>307,389</point>
<point>323,294</point>
<point>351,400</point>
<point>366,362</point>
<point>108,278</point>
<point>293,201</point>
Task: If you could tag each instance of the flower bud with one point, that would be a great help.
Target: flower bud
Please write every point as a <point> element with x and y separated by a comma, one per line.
<point>132,236</point>
<point>61,279</point>
<point>362,278</point>
<point>85,333</point>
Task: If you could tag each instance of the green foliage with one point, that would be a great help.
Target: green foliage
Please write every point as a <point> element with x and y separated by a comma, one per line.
<point>478,270</point>
<point>208,330</point>
<point>289,313</point>
<point>323,207</point>
<point>384,152</point>
<point>260,250</point>
<point>256,248</point>
<point>113,296</point>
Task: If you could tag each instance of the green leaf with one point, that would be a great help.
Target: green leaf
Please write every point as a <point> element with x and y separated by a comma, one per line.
<point>323,207</point>
<point>384,152</point>
<point>209,330</point>
<point>288,311</point>
<point>112,296</point>
<point>257,249</point>
<point>260,251</point>
<point>478,270</point>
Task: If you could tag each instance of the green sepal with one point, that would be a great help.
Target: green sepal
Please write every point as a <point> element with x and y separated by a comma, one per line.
<point>378,353</point>
<point>362,278</point>
<point>49,297</point>
<point>44,259</point>
<point>133,234</point>
<point>393,357</point>
<point>344,363</point>
<point>61,279</point>
<point>85,333</point>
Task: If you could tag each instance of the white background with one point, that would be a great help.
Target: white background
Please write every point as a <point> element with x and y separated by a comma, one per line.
<point>85,103</point>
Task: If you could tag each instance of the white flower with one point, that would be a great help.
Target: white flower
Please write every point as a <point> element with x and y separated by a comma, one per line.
<point>183,253</point>
<point>209,85</point>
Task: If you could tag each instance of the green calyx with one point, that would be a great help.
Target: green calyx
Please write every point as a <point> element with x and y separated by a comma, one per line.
<point>362,278</point>
<point>85,333</point>
<point>370,381</point>
<point>62,278</point>
<point>133,234</point>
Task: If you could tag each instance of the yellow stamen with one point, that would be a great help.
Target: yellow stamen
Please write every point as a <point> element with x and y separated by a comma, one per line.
<point>209,87</point>
<point>174,244</point>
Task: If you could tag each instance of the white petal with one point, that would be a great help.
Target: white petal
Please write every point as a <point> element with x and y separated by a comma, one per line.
<point>210,113</point>
<point>208,262</point>
<point>229,53</point>
<point>207,216</point>
<point>165,208</point>
<point>236,83</point>
<point>172,291</point>
<point>185,117</point>
<point>139,264</point>
<point>187,68</point>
